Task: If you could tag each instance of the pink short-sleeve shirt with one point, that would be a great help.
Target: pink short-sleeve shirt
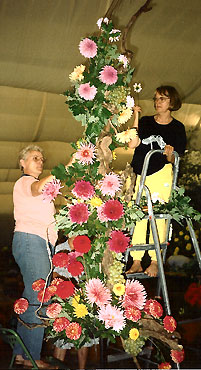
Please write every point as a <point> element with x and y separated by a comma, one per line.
<point>33,215</point>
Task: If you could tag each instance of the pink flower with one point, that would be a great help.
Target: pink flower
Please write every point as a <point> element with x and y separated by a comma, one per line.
<point>82,244</point>
<point>169,324</point>
<point>112,317</point>
<point>21,305</point>
<point>154,308</point>
<point>87,92</point>
<point>118,242</point>
<point>86,153</point>
<point>53,310</point>
<point>79,213</point>
<point>51,190</point>
<point>110,184</point>
<point>101,215</point>
<point>73,331</point>
<point>88,48</point>
<point>60,323</point>
<point>113,209</point>
<point>108,75</point>
<point>97,293</point>
<point>83,190</point>
<point>132,313</point>
<point>44,297</point>
<point>135,294</point>
<point>38,285</point>
<point>65,289</point>
<point>60,259</point>
<point>177,356</point>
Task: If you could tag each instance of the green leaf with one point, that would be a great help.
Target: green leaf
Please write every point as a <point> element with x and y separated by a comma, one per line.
<point>59,172</point>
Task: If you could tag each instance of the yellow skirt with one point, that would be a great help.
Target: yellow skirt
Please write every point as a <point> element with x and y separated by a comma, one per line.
<point>159,184</point>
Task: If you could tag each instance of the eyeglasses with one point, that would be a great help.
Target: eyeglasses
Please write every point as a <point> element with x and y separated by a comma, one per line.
<point>162,99</point>
<point>38,159</point>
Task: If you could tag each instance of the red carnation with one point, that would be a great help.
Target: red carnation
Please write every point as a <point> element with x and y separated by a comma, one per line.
<point>21,305</point>
<point>154,308</point>
<point>53,310</point>
<point>118,242</point>
<point>79,213</point>
<point>75,268</point>
<point>132,313</point>
<point>38,285</point>
<point>60,259</point>
<point>177,356</point>
<point>82,244</point>
<point>65,289</point>
<point>113,209</point>
<point>47,296</point>
<point>169,323</point>
<point>60,324</point>
<point>164,365</point>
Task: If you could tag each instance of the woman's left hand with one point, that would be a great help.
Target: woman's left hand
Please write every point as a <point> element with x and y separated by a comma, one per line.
<point>168,151</point>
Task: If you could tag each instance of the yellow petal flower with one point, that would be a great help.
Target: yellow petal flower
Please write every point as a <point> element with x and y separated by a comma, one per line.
<point>80,310</point>
<point>119,289</point>
<point>114,156</point>
<point>77,73</point>
<point>75,300</point>
<point>134,333</point>
<point>96,202</point>
<point>125,115</point>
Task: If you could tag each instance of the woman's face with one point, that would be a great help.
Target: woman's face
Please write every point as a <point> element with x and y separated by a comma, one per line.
<point>33,164</point>
<point>161,102</point>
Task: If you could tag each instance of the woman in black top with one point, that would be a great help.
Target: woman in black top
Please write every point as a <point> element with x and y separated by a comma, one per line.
<point>160,131</point>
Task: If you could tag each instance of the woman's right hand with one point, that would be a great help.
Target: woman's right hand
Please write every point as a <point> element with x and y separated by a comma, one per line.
<point>137,109</point>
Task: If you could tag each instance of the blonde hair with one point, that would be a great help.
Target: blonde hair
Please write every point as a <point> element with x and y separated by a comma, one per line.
<point>30,148</point>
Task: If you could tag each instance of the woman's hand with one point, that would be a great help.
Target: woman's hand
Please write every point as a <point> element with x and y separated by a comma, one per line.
<point>137,109</point>
<point>168,151</point>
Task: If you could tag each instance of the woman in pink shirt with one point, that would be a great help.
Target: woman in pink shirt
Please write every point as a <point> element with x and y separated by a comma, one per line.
<point>34,230</point>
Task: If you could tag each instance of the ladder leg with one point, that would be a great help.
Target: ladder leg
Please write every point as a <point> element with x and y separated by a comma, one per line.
<point>194,240</point>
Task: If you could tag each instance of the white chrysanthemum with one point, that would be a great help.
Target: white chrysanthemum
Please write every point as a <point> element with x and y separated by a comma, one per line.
<point>130,101</point>
<point>125,115</point>
<point>126,136</point>
<point>137,87</point>
<point>122,59</point>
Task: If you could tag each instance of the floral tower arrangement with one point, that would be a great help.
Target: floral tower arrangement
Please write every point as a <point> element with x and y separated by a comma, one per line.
<point>97,301</point>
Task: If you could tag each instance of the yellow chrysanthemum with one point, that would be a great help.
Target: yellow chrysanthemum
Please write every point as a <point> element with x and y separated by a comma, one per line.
<point>134,333</point>
<point>77,73</point>
<point>176,251</point>
<point>114,156</point>
<point>119,289</point>
<point>80,310</point>
<point>188,246</point>
<point>186,237</point>
<point>124,116</point>
<point>181,233</point>
<point>128,182</point>
<point>75,300</point>
<point>96,202</point>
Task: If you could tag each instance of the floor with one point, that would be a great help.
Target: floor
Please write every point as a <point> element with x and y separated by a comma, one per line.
<point>10,289</point>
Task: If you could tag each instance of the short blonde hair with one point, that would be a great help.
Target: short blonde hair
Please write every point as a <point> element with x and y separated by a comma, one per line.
<point>29,148</point>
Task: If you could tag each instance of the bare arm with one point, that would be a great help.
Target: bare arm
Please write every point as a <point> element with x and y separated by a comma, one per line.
<point>37,186</point>
<point>136,141</point>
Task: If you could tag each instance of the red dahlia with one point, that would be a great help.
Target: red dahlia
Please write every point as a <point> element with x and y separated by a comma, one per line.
<point>65,289</point>
<point>82,243</point>
<point>113,209</point>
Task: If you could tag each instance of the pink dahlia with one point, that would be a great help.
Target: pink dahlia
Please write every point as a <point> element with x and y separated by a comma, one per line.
<point>112,317</point>
<point>83,190</point>
<point>169,324</point>
<point>101,215</point>
<point>60,324</point>
<point>21,305</point>
<point>132,313</point>
<point>86,153</point>
<point>177,356</point>
<point>164,365</point>
<point>51,190</point>
<point>110,184</point>
<point>79,213</point>
<point>53,310</point>
<point>154,308</point>
<point>135,294</point>
<point>60,259</point>
<point>118,242</point>
<point>108,75</point>
<point>73,331</point>
<point>88,48</point>
<point>38,285</point>
<point>65,289</point>
<point>113,209</point>
<point>82,244</point>
<point>97,293</point>
<point>75,268</point>
<point>87,92</point>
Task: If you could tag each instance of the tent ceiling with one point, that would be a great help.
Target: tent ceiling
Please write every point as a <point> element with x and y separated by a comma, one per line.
<point>39,42</point>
